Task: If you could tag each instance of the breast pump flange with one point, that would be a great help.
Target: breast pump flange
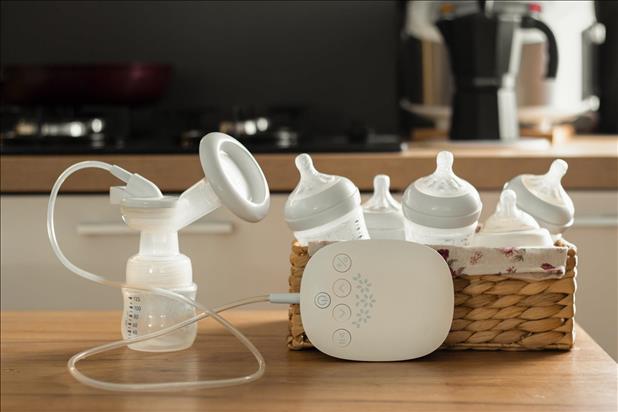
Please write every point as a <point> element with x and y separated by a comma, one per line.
<point>234,179</point>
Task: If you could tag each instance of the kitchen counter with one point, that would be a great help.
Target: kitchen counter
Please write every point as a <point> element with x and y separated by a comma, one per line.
<point>593,165</point>
<point>37,345</point>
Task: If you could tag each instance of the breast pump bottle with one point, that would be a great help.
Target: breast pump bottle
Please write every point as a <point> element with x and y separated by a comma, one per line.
<point>441,209</point>
<point>324,207</point>
<point>383,214</point>
<point>158,263</point>
<point>545,199</point>
<point>234,179</point>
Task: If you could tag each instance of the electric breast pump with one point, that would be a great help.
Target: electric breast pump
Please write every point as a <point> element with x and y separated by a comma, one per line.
<point>160,310</point>
<point>234,179</point>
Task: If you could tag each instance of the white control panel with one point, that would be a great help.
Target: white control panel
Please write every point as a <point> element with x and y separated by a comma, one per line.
<point>376,300</point>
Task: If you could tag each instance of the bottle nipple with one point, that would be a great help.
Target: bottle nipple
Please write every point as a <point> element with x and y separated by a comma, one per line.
<point>318,200</point>
<point>444,163</point>
<point>508,217</point>
<point>556,171</point>
<point>304,164</point>
<point>508,204</point>
<point>510,226</point>
<point>311,180</point>
<point>382,198</point>
<point>443,182</point>
<point>381,186</point>
<point>548,187</point>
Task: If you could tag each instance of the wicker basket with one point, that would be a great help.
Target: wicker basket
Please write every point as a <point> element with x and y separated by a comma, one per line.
<point>492,312</point>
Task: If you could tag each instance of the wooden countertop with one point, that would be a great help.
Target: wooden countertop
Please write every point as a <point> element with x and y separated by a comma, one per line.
<point>593,165</point>
<point>37,345</point>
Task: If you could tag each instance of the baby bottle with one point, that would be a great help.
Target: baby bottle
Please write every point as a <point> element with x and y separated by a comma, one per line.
<point>383,214</point>
<point>545,199</point>
<point>441,209</point>
<point>323,207</point>
<point>511,227</point>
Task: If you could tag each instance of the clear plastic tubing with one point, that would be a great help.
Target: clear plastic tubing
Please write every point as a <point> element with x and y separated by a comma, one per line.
<point>324,207</point>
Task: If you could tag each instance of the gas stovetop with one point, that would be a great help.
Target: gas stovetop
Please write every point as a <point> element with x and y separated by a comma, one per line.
<point>323,144</point>
<point>86,130</point>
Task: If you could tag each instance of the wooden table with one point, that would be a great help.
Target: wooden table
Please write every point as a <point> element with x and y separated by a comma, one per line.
<point>37,345</point>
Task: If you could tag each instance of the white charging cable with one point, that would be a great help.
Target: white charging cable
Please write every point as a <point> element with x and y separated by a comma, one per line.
<point>135,179</point>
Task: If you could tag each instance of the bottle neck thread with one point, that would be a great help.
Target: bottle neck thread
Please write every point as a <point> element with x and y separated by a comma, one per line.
<point>158,243</point>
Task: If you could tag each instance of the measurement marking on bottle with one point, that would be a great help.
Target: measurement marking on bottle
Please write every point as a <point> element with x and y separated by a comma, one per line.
<point>132,315</point>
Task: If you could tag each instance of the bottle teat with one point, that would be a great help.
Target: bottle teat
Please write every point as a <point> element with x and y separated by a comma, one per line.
<point>510,226</point>
<point>443,182</point>
<point>311,181</point>
<point>507,205</point>
<point>304,164</point>
<point>383,214</point>
<point>320,199</point>
<point>548,187</point>
<point>508,217</point>
<point>444,164</point>
<point>382,200</point>
<point>544,197</point>
<point>556,171</point>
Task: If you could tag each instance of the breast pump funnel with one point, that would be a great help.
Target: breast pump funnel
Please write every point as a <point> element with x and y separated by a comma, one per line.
<point>234,179</point>
<point>324,207</point>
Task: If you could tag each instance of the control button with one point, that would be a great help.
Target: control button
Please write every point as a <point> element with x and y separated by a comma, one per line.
<point>342,338</point>
<point>322,300</point>
<point>342,312</point>
<point>342,288</point>
<point>342,262</point>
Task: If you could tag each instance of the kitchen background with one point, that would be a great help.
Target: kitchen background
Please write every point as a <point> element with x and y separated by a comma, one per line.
<point>338,76</point>
<point>331,67</point>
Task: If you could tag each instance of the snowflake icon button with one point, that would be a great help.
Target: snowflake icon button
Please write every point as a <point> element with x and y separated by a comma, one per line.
<point>322,300</point>
<point>342,338</point>
<point>342,288</point>
<point>342,263</point>
<point>342,312</point>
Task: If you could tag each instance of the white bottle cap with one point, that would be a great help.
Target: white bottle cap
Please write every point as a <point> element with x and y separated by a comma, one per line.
<point>382,211</point>
<point>510,226</point>
<point>544,198</point>
<point>318,198</point>
<point>442,199</point>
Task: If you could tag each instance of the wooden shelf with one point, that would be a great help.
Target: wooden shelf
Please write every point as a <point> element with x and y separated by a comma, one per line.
<point>593,165</point>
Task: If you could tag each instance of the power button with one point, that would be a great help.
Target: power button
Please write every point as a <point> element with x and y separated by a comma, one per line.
<point>322,300</point>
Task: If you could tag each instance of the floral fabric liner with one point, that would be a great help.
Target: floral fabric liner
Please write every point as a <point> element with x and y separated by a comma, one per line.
<point>529,263</point>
